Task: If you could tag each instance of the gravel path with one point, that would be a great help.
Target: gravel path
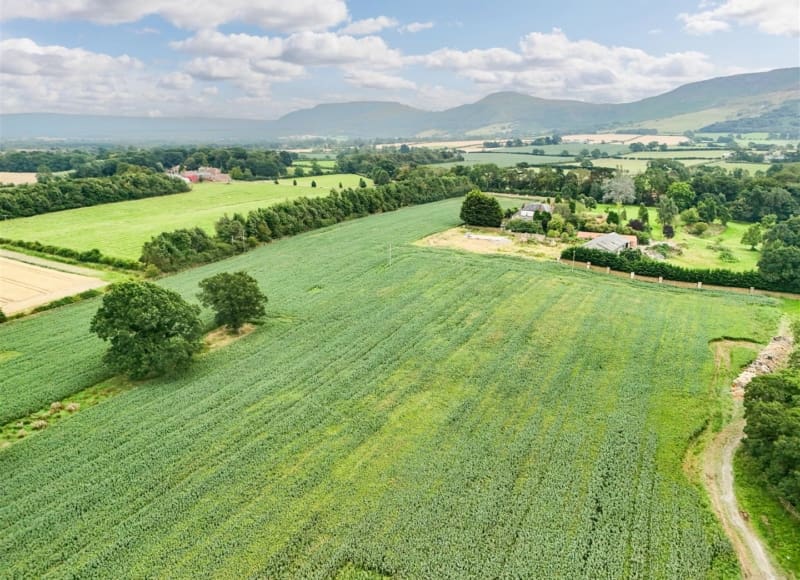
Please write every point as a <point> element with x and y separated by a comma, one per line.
<point>718,465</point>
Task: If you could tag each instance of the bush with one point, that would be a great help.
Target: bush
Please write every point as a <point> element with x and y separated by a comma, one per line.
<point>3,317</point>
<point>698,229</point>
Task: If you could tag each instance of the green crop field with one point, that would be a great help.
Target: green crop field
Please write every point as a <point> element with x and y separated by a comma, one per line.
<point>446,415</point>
<point>120,229</point>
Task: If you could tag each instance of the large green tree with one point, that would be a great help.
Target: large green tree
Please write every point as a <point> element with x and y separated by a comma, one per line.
<point>480,209</point>
<point>682,194</point>
<point>236,298</point>
<point>152,330</point>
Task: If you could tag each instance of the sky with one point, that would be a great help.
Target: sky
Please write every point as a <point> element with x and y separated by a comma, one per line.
<point>261,59</point>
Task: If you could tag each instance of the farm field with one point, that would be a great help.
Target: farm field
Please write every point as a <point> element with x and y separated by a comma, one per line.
<point>684,155</point>
<point>507,159</point>
<point>120,229</point>
<point>448,415</point>
<point>15,178</point>
<point>24,286</point>
<point>750,167</point>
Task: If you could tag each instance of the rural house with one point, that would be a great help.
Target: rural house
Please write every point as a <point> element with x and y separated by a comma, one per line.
<point>612,242</point>
<point>530,209</point>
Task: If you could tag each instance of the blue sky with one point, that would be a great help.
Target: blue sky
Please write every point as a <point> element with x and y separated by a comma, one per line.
<point>261,59</point>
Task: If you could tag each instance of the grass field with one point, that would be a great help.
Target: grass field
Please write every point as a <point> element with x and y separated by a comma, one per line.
<point>448,415</point>
<point>699,252</point>
<point>686,156</point>
<point>750,167</point>
<point>506,159</point>
<point>120,229</point>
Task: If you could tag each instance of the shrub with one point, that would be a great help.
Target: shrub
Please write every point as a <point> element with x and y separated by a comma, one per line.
<point>39,424</point>
<point>3,317</point>
<point>698,229</point>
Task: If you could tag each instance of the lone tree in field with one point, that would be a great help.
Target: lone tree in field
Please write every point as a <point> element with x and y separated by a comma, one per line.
<point>752,237</point>
<point>480,209</point>
<point>235,297</point>
<point>152,330</point>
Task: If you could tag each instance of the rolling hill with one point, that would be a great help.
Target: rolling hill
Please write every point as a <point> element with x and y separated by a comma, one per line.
<point>688,107</point>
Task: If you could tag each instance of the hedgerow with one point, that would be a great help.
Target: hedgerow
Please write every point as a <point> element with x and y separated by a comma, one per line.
<point>635,261</point>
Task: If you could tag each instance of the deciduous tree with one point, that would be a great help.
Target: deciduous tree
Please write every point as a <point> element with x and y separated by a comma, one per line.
<point>235,297</point>
<point>480,209</point>
<point>152,330</point>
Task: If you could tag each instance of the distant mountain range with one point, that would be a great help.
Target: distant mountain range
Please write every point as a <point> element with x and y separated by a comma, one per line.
<point>768,97</point>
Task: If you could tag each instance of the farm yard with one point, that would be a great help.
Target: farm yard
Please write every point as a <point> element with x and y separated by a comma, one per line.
<point>25,285</point>
<point>443,415</point>
<point>120,229</point>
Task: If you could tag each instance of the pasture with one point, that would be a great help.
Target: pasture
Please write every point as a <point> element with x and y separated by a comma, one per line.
<point>25,285</point>
<point>502,159</point>
<point>120,229</point>
<point>446,415</point>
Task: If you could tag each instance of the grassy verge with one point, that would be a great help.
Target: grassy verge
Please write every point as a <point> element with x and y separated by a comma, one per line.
<point>779,529</point>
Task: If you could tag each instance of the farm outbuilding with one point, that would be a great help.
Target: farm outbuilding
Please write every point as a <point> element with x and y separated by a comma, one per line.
<point>612,242</point>
<point>530,209</point>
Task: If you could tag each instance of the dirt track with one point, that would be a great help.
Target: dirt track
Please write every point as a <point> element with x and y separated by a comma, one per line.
<point>718,465</point>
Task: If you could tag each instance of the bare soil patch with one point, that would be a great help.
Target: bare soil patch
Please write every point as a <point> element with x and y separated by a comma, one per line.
<point>17,178</point>
<point>494,241</point>
<point>24,286</point>
<point>222,337</point>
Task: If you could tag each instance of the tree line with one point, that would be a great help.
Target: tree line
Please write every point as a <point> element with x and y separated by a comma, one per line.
<point>57,194</point>
<point>772,411</point>
<point>242,162</point>
<point>171,251</point>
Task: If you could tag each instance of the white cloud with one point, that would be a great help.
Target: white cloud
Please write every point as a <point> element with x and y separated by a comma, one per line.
<point>552,65</point>
<point>73,80</point>
<point>778,17</point>
<point>368,26</point>
<point>22,56</point>
<point>416,27</point>
<point>371,79</point>
<point>195,14</point>
<point>213,43</point>
<point>328,48</point>
<point>178,81</point>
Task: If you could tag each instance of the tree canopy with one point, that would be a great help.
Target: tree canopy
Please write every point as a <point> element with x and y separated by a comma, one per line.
<point>480,209</point>
<point>236,298</point>
<point>152,330</point>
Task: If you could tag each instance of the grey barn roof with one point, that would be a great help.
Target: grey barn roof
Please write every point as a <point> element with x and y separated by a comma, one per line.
<point>537,207</point>
<point>612,242</point>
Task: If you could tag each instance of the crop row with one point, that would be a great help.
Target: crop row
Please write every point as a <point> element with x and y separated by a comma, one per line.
<point>450,415</point>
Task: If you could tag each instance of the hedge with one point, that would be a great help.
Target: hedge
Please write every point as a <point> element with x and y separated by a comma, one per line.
<point>93,256</point>
<point>635,261</point>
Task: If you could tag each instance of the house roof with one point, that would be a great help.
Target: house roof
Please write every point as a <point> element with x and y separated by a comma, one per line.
<point>612,242</point>
<point>537,207</point>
